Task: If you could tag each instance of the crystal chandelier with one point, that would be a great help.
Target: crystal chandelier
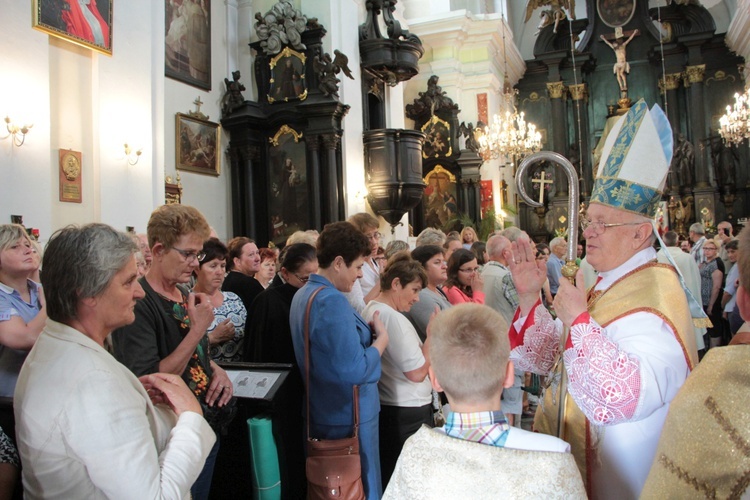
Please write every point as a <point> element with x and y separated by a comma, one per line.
<point>734,126</point>
<point>509,135</point>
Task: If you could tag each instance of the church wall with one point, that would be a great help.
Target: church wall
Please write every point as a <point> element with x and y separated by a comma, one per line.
<point>209,194</point>
<point>26,185</point>
<point>93,103</point>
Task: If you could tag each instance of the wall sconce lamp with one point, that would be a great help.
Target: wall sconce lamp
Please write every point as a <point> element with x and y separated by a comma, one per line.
<point>130,155</point>
<point>15,130</point>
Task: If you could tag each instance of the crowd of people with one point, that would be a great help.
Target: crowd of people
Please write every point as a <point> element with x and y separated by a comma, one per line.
<point>179,317</point>
<point>427,351</point>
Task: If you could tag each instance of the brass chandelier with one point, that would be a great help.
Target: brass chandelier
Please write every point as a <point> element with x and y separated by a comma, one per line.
<point>734,126</point>
<point>509,135</point>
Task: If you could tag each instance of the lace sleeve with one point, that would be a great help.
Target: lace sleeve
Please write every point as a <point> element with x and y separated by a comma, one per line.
<point>535,340</point>
<point>604,380</point>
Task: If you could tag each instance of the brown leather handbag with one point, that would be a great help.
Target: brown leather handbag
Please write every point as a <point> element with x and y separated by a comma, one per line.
<point>333,466</point>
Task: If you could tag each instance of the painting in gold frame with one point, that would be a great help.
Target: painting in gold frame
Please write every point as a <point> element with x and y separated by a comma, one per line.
<point>287,77</point>
<point>439,199</point>
<point>66,19</point>
<point>438,138</point>
<point>198,145</point>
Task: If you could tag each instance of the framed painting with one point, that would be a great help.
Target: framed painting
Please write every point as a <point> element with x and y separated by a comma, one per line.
<point>439,199</point>
<point>197,148</point>
<point>438,140</point>
<point>84,22</point>
<point>287,77</point>
<point>287,175</point>
<point>615,13</point>
<point>187,42</point>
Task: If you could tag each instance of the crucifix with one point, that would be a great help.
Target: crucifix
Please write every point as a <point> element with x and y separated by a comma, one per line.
<point>197,113</point>
<point>542,181</point>
<point>621,67</point>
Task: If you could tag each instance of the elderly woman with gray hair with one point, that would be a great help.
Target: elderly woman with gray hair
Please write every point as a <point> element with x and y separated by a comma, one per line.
<point>169,333</point>
<point>87,427</point>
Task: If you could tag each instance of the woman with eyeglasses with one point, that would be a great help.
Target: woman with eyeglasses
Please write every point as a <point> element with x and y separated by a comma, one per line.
<point>226,335</point>
<point>368,286</point>
<point>270,341</point>
<point>464,283</point>
<point>169,331</point>
<point>405,389</point>
<point>712,281</point>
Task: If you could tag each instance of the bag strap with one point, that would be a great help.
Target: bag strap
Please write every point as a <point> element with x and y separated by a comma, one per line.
<point>355,388</point>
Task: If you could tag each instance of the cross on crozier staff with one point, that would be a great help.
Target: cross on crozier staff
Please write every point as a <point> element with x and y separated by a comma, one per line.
<point>570,268</point>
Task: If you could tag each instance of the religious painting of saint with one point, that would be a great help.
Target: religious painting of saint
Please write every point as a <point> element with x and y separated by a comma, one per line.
<point>84,22</point>
<point>439,199</point>
<point>615,13</point>
<point>197,148</point>
<point>287,175</point>
<point>188,42</point>
<point>438,138</point>
<point>287,77</point>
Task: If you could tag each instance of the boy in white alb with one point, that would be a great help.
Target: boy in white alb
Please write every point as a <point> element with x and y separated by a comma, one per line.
<point>469,352</point>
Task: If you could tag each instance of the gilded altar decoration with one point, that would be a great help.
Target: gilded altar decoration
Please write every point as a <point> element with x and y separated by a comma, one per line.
<point>440,205</point>
<point>287,77</point>
<point>695,74</point>
<point>579,92</point>
<point>70,176</point>
<point>670,82</point>
<point>556,89</point>
<point>284,130</point>
<point>438,141</point>
<point>287,175</point>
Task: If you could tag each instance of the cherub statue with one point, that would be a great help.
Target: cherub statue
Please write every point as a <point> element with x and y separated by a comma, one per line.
<point>469,133</point>
<point>554,14</point>
<point>328,68</point>
<point>233,98</point>
<point>621,67</point>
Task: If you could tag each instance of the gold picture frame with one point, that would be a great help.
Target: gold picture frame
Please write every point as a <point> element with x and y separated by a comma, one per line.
<point>70,24</point>
<point>287,77</point>
<point>197,145</point>
<point>438,138</point>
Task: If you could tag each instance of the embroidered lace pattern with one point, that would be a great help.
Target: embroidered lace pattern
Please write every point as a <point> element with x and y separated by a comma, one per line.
<point>535,348</point>
<point>604,381</point>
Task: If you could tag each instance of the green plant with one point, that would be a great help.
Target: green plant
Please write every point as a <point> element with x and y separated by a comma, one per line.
<point>458,222</point>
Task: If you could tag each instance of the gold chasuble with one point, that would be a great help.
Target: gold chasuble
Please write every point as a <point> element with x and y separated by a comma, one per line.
<point>652,288</point>
<point>704,450</point>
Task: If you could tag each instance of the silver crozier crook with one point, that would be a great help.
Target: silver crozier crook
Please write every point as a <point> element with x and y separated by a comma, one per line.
<point>570,268</point>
